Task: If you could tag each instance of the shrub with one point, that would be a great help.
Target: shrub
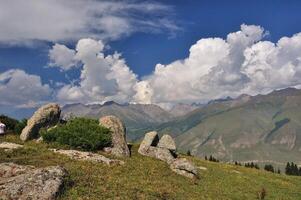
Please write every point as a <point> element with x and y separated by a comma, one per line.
<point>20,126</point>
<point>9,122</point>
<point>269,168</point>
<point>79,133</point>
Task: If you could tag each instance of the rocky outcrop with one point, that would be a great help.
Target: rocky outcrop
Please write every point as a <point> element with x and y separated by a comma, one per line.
<point>117,128</point>
<point>45,117</point>
<point>26,182</point>
<point>183,167</point>
<point>165,150</point>
<point>167,142</point>
<point>87,156</point>
<point>8,146</point>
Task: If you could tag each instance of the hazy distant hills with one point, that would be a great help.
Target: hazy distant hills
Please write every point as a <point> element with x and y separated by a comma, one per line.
<point>137,117</point>
<point>259,128</point>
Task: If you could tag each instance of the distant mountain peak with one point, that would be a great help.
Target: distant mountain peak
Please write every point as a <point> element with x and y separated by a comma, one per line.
<point>108,103</point>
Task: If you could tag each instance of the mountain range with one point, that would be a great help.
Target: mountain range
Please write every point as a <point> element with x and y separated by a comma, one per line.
<point>262,128</point>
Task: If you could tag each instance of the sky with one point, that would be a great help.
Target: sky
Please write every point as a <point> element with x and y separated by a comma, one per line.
<point>159,52</point>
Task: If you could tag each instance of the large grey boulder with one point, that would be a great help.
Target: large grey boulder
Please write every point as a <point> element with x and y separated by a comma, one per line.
<point>26,182</point>
<point>119,144</point>
<point>167,142</point>
<point>45,117</point>
<point>150,139</point>
<point>183,167</point>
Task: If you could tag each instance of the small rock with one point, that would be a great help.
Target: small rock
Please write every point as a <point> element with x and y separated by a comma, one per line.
<point>150,139</point>
<point>185,168</point>
<point>202,168</point>
<point>119,144</point>
<point>167,142</point>
<point>81,155</point>
<point>7,146</point>
<point>27,182</point>
<point>45,117</point>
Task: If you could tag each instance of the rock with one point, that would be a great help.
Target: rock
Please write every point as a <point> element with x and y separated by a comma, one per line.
<point>26,182</point>
<point>39,140</point>
<point>160,153</point>
<point>7,146</point>
<point>148,147</point>
<point>119,144</point>
<point>87,156</point>
<point>183,167</point>
<point>150,139</point>
<point>167,142</point>
<point>45,117</point>
<point>202,168</point>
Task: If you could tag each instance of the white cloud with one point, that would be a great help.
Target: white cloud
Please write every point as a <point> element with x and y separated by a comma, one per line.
<point>215,68</point>
<point>64,20</point>
<point>17,88</point>
<point>61,56</point>
<point>102,77</point>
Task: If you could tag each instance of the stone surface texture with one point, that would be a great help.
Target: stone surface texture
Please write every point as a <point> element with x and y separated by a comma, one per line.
<point>45,117</point>
<point>118,131</point>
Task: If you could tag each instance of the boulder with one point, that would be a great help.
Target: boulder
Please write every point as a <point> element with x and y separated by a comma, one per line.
<point>87,156</point>
<point>150,139</point>
<point>27,182</point>
<point>119,144</point>
<point>185,168</point>
<point>45,117</point>
<point>149,147</point>
<point>167,142</point>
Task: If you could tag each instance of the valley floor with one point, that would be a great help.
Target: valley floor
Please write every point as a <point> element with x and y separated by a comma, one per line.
<point>147,178</point>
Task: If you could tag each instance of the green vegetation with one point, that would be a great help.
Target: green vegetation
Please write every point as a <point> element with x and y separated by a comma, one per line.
<point>147,178</point>
<point>292,169</point>
<point>13,125</point>
<point>79,133</point>
<point>269,168</point>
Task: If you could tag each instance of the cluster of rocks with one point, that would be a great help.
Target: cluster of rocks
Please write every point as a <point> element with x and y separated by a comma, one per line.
<point>28,182</point>
<point>49,115</point>
<point>165,149</point>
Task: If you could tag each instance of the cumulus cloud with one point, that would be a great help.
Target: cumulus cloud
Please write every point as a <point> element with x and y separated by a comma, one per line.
<point>243,62</point>
<point>64,20</point>
<point>17,88</point>
<point>102,77</point>
<point>61,56</point>
<point>216,68</point>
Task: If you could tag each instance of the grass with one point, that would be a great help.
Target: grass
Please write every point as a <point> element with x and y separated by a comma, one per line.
<point>147,178</point>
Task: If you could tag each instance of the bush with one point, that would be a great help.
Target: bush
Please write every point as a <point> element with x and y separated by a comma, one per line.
<point>79,133</point>
<point>9,122</point>
<point>20,126</point>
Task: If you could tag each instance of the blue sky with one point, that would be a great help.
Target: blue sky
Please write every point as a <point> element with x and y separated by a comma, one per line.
<point>147,33</point>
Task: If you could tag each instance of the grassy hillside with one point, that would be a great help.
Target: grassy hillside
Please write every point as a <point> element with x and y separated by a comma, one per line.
<point>264,128</point>
<point>147,178</point>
